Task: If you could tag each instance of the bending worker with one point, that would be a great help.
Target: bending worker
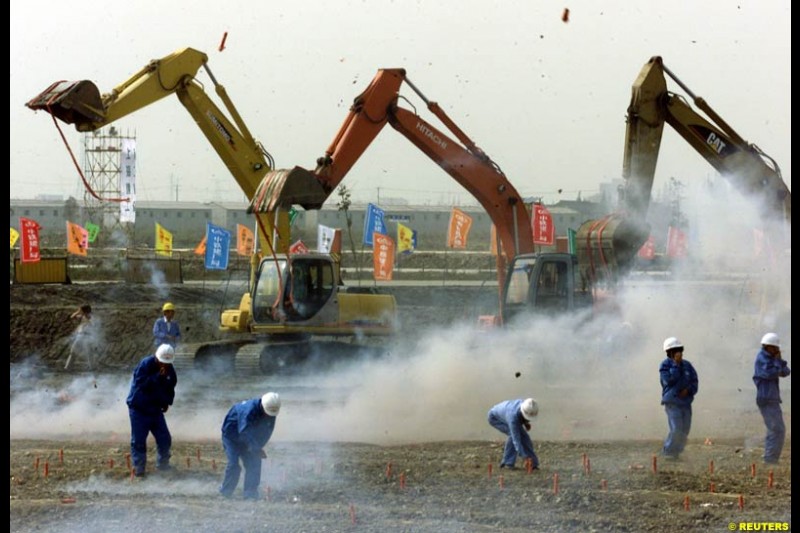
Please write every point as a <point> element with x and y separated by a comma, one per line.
<point>513,418</point>
<point>166,329</point>
<point>246,430</point>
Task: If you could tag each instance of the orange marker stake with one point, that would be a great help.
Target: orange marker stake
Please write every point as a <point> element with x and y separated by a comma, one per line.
<point>352,514</point>
<point>128,460</point>
<point>188,462</point>
<point>222,44</point>
<point>711,467</point>
<point>555,483</point>
<point>655,464</point>
<point>753,470</point>
<point>68,500</point>
<point>46,468</point>
<point>388,471</point>
<point>402,480</point>
<point>490,470</point>
<point>686,503</point>
<point>770,479</point>
<point>712,487</point>
<point>61,456</point>
<point>741,502</point>
<point>588,466</point>
<point>501,481</point>
<point>603,484</point>
<point>36,465</point>
<point>198,454</point>
<point>583,457</point>
<point>213,464</point>
<point>111,463</point>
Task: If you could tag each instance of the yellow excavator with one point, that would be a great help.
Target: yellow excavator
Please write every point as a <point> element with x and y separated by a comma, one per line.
<point>296,305</point>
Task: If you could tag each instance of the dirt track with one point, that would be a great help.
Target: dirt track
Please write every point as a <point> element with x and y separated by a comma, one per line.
<point>326,471</point>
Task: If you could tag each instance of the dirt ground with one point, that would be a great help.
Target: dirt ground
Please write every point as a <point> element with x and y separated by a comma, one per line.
<point>81,482</point>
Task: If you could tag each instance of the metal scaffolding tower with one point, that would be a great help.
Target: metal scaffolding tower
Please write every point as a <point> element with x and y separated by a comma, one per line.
<point>103,162</point>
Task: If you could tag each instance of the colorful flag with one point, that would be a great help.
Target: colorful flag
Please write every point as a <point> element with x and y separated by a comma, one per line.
<point>542,226</point>
<point>77,239</point>
<point>382,257</point>
<point>292,215</point>
<point>648,249</point>
<point>29,246</point>
<point>460,223</point>
<point>244,240</point>
<point>299,247</point>
<point>14,237</point>
<point>163,241</point>
<point>329,240</point>
<point>127,181</point>
<point>676,243</point>
<point>406,239</point>
<point>373,223</point>
<point>572,241</point>
<point>93,230</point>
<point>218,247</point>
<point>200,249</point>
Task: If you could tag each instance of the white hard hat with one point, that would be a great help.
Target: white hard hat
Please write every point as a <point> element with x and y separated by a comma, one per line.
<point>271,403</point>
<point>165,353</point>
<point>771,339</point>
<point>672,343</point>
<point>529,408</point>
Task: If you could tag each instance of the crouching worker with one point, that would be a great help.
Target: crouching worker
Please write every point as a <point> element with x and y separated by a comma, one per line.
<point>152,392</point>
<point>246,430</point>
<point>513,418</point>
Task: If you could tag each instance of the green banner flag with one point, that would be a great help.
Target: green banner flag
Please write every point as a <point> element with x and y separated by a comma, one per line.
<point>292,215</point>
<point>93,230</point>
<point>571,237</point>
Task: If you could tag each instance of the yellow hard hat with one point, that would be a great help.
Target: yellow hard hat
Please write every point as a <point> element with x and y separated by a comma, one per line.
<point>169,306</point>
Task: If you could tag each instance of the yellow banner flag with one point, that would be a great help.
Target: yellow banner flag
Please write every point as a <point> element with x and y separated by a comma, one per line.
<point>200,249</point>
<point>405,238</point>
<point>14,237</point>
<point>244,240</point>
<point>77,239</point>
<point>163,241</point>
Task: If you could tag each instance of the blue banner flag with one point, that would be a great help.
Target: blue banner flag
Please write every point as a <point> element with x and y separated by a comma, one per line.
<point>218,246</point>
<point>373,223</point>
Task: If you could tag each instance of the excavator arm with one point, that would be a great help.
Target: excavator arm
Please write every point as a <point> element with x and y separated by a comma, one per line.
<point>747,167</point>
<point>465,162</point>
<point>80,103</point>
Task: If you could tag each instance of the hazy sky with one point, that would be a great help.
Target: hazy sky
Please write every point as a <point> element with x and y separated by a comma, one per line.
<point>545,99</point>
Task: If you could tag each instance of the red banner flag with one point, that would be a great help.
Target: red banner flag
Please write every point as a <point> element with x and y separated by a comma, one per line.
<point>299,247</point>
<point>676,243</point>
<point>382,257</point>
<point>29,246</point>
<point>460,223</point>
<point>648,249</point>
<point>542,226</point>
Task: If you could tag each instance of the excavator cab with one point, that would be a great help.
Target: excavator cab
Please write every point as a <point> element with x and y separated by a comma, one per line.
<point>548,284</point>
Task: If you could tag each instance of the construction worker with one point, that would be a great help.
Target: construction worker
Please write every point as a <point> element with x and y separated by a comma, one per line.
<point>84,338</point>
<point>246,430</point>
<point>678,387</point>
<point>769,367</point>
<point>513,418</point>
<point>166,329</point>
<point>152,392</point>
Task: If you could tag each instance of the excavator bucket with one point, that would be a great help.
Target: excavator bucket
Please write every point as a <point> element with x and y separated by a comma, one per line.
<point>283,188</point>
<point>74,102</point>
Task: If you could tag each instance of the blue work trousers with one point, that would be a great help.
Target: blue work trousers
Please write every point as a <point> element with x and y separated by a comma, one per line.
<point>251,460</point>
<point>679,418</point>
<point>142,424</point>
<point>510,451</point>
<point>776,431</point>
